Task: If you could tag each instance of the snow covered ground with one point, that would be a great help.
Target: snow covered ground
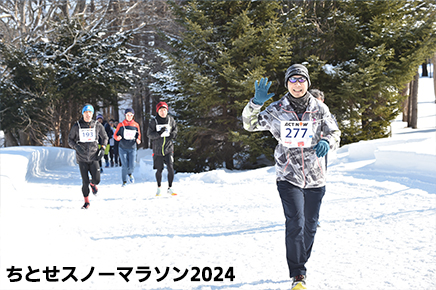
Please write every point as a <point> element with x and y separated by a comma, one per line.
<point>378,222</point>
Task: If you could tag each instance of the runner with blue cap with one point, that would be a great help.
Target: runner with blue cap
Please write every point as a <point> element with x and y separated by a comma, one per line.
<point>85,136</point>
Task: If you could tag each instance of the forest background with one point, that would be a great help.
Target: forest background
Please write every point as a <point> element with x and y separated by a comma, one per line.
<point>202,58</point>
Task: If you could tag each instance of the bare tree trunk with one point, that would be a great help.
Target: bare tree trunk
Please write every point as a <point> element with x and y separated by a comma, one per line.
<point>64,6</point>
<point>405,104</point>
<point>424,69</point>
<point>10,139</point>
<point>56,119</point>
<point>24,138</point>
<point>228,158</point>
<point>409,103</point>
<point>148,113</point>
<point>80,7</point>
<point>66,123</point>
<point>434,76</point>
<point>414,103</point>
<point>137,107</point>
<point>116,109</point>
<point>28,138</point>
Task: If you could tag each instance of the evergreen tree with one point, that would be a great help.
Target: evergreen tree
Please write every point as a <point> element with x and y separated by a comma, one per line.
<point>55,76</point>
<point>23,97</point>
<point>396,37</point>
<point>372,50</point>
<point>226,46</point>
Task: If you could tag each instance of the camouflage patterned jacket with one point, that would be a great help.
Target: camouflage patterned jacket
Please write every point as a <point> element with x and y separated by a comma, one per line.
<point>299,166</point>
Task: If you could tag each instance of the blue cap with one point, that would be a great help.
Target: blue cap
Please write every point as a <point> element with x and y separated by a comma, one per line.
<point>88,108</point>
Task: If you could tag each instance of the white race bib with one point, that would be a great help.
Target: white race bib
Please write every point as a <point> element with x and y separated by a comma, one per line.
<point>296,133</point>
<point>87,135</point>
<point>167,132</point>
<point>129,134</point>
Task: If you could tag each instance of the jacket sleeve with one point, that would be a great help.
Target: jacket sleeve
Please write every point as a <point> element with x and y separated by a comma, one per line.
<point>73,137</point>
<point>139,131</point>
<point>330,128</point>
<point>117,133</point>
<point>102,134</point>
<point>250,118</point>
<point>108,130</point>
<point>151,132</point>
<point>174,129</point>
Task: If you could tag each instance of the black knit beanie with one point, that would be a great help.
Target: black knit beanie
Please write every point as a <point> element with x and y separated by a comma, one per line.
<point>297,69</point>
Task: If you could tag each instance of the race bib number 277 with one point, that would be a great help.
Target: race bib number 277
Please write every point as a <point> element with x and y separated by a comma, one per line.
<point>296,133</point>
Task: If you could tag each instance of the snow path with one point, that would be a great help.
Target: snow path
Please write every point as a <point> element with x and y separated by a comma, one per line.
<point>372,231</point>
<point>378,222</point>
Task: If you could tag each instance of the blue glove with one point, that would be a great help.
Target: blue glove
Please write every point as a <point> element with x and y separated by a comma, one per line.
<point>322,148</point>
<point>261,91</point>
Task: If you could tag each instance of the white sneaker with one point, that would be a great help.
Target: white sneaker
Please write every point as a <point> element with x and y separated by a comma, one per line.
<point>171,192</point>
<point>158,191</point>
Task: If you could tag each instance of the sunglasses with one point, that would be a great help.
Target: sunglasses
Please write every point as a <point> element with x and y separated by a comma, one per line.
<point>294,80</point>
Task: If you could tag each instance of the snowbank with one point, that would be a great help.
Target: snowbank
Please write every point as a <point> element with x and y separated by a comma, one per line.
<point>145,157</point>
<point>36,162</point>
<point>399,154</point>
<point>411,156</point>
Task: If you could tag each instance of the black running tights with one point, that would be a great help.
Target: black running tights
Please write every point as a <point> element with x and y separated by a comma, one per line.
<point>93,168</point>
<point>159,165</point>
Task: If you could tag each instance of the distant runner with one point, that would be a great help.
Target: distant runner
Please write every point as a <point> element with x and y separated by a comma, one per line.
<point>162,130</point>
<point>128,134</point>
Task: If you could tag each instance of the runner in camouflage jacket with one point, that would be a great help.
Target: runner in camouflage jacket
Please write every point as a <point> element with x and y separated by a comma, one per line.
<point>296,121</point>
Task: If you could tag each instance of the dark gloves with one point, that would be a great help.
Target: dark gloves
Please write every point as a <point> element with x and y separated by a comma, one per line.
<point>100,153</point>
<point>261,91</point>
<point>322,148</point>
<point>161,131</point>
<point>80,150</point>
<point>172,136</point>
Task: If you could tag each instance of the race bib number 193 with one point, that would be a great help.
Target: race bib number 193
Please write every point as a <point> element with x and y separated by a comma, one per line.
<point>296,133</point>
<point>87,135</point>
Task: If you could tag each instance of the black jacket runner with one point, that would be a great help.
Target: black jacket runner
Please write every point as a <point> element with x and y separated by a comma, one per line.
<point>87,151</point>
<point>162,145</point>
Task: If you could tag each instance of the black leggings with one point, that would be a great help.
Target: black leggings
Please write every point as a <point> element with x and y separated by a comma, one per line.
<point>93,168</point>
<point>158,163</point>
